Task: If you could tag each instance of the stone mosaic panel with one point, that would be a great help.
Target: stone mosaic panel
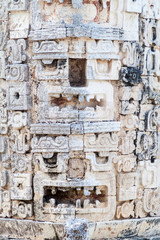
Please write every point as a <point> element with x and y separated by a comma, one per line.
<point>79,112</point>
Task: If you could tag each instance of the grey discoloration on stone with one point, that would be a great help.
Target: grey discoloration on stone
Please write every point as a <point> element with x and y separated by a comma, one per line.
<point>77,229</point>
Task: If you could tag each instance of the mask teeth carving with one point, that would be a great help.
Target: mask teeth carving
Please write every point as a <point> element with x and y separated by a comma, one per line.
<point>56,95</point>
<point>81,98</point>
<point>78,203</point>
<point>86,203</point>
<point>52,202</point>
<point>82,197</point>
<point>99,97</point>
<point>89,97</point>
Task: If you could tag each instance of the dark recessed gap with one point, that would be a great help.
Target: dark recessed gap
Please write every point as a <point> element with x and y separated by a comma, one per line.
<point>77,72</point>
<point>69,196</point>
<point>51,162</point>
<point>154,35</point>
<point>16,95</point>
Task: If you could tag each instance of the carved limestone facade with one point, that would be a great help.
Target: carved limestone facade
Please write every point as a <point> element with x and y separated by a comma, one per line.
<point>79,118</point>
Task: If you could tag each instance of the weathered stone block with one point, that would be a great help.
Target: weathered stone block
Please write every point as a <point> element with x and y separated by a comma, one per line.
<point>18,96</point>
<point>21,186</point>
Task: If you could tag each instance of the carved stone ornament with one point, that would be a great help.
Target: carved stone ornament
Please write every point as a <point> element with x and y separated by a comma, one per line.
<point>131,75</point>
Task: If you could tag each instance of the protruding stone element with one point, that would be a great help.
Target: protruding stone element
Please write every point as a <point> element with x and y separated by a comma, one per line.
<point>77,229</point>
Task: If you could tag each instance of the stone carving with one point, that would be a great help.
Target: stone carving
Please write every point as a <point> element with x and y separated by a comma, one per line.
<point>152,119</point>
<point>79,119</point>
<point>52,162</point>
<point>103,70</point>
<point>131,75</point>
<point>149,173</point>
<point>4,149</point>
<point>52,70</point>
<point>21,186</point>
<point>130,122</point>
<point>20,140</point>
<point>18,96</point>
<point>55,128</point>
<point>21,209</point>
<point>151,9</point>
<point>3,121</point>
<point>126,210</point>
<point>17,72</point>
<point>18,119</point>
<point>126,163</point>
<point>101,162</point>
<point>108,141</point>
<point>19,24</point>
<point>49,144</point>
<point>139,210</point>
<point>76,168</point>
<point>147,146</point>
<point>70,104</point>
<point>50,50</point>
<point>152,89</point>
<point>149,31</point>
<point>151,202</point>
<point>127,186</point>
<point>126,144</point>
<point>4,178</point>
<point>51,190</point>
<point>79,228</point>
<point>15,51</point>
<point>20,5</point>
<point>131,53</point>
<point>99,127</point>
<point>102,49</point>
<point>5,204</point>
<point>3,10</point>
<point>20,163</point>
<point>129,97</point>
<point>2,64</point>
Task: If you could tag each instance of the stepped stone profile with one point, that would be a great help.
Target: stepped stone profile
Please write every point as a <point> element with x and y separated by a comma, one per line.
<point>79,119</point>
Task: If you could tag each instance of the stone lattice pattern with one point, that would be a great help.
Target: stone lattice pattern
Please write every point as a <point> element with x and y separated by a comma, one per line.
<point>79,109</point>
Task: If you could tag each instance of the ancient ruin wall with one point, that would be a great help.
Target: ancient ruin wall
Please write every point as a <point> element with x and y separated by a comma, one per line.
<point>79,116</point>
